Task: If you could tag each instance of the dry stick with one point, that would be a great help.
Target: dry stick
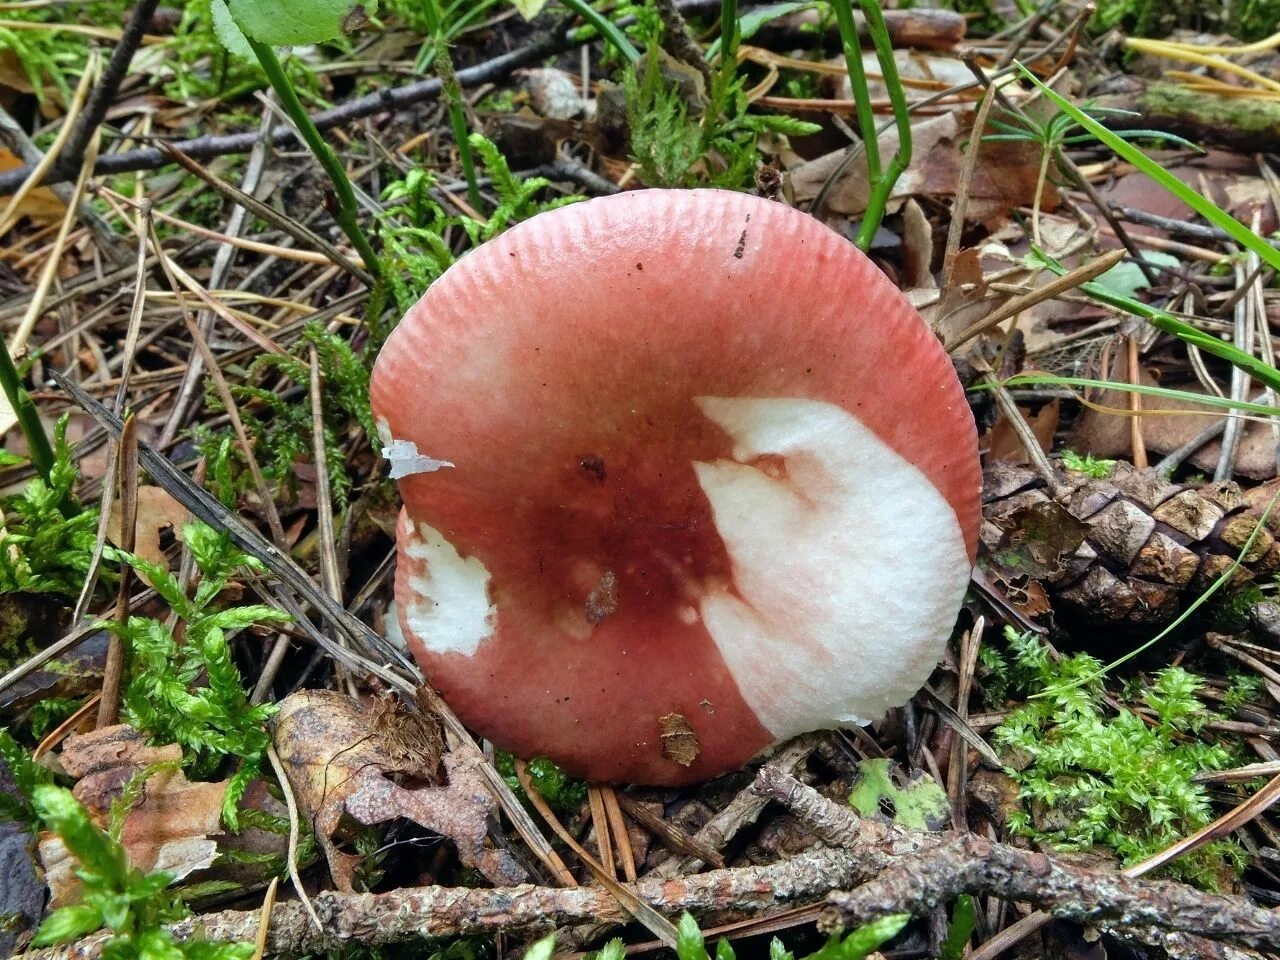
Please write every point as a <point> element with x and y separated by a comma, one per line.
<point>1261,328</point>
<point>264,920</point>
<point>1057,285</point>
<point>431,912</point>
<point>1212,431</point>
<point>330,578</point>
<point>669,834</point>
<point>600,823</point>
<point>127,480</point>
<point>129,352</point>
<point>1133,375</point>
<point>188,390</point>
<point>95,110</point>
<point>960,205</point>
<point>913,872</point>
<point>1234,819</point>
<point>677,40</point>
<point>742,811</point>
<point>269,214</point>
<point>653,921</point>
<point>16,139</point>
<point>958,767</point>
<point>618,826</point>
<point>207,509</point>
<point>286,790</point>
<point>1242,337</point>
<point>224,391</point>
<point>35,174</point>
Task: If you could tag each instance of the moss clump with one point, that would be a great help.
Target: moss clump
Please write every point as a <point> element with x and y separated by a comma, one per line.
<point>1089,777</point>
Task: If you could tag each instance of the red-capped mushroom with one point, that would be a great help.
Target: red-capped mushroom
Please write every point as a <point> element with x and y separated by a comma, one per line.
<point>710,482</point>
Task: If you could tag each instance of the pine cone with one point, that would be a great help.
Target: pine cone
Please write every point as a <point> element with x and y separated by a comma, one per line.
<point>1130,549</point>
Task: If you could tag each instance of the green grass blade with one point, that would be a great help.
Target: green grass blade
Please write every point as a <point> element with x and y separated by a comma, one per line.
<point>1052,380</point>
<point>1127,151</point>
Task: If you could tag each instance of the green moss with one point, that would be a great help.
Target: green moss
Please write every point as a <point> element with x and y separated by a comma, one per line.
<point>1089,777</point>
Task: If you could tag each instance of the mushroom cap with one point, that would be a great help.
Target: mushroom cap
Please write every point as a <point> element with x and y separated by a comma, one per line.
<point>712,483</point>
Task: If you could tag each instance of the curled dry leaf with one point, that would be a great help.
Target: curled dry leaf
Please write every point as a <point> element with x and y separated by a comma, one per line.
<point>168,829</point>
<point>378,763</point>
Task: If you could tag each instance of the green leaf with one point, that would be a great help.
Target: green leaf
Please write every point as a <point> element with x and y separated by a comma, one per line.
<point>529,8</point>
<point>282,23</point>
<point>544,949</point>
<point>67,924</point>
<point>865,939</point>
<point>613,950</point>
<point>98,854</point>
<point>228,33</point>
<point>964,919</point>
<point>750,22</point>
<point>915,806</point>
<point>689,942</point>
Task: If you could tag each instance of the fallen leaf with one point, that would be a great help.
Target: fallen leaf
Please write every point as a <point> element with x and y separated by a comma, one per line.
<point>679,742</point>
<point>341,758</point>
<point>157,512</point>
<point>920,804</point>
<point>41,205</point>
<point>1005,175</point>
<point>1107,435</point>
<point>168,829</point>
<point>1003,442</point>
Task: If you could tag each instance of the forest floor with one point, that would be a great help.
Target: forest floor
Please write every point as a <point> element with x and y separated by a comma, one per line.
<point>197,553</point>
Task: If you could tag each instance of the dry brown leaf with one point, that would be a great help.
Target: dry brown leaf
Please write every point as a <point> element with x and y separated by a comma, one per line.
<point>157,511</point>
<point>1003,442</point>
<point>169,829</point>
<point>1006,173</point>
<point>41,204</point>
<point>341,756</point>
<point>1107,435</point>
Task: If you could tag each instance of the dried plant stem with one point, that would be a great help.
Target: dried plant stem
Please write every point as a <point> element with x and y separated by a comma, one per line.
<point>127,483</point>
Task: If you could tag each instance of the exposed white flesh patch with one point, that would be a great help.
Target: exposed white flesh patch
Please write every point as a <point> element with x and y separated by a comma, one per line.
<point>404,456</point>
<point>848,571</point>
<point>449,610</point>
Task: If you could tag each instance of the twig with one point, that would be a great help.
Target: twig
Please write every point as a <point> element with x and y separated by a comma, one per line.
<point>286,791</point>
<point>127,483</point>
<point>677,40</point>
<point>95,110</point>
<point>742,811</point>
<point>395,98</point>
<point>430,912</point>
<point>915,872</point>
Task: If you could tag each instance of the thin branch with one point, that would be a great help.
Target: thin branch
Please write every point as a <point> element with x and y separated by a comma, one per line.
<point>104,93</point>
<point>912,872</point>
<point>389,99</point>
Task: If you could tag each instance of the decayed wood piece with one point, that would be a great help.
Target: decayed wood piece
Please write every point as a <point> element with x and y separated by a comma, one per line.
<point>913,873</point>
<point>1132,548</point>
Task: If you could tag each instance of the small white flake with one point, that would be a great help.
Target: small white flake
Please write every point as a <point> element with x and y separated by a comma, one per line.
<point>406,460</point>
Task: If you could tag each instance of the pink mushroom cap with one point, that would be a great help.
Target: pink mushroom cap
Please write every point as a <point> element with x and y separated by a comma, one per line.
<point>711,482</point>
